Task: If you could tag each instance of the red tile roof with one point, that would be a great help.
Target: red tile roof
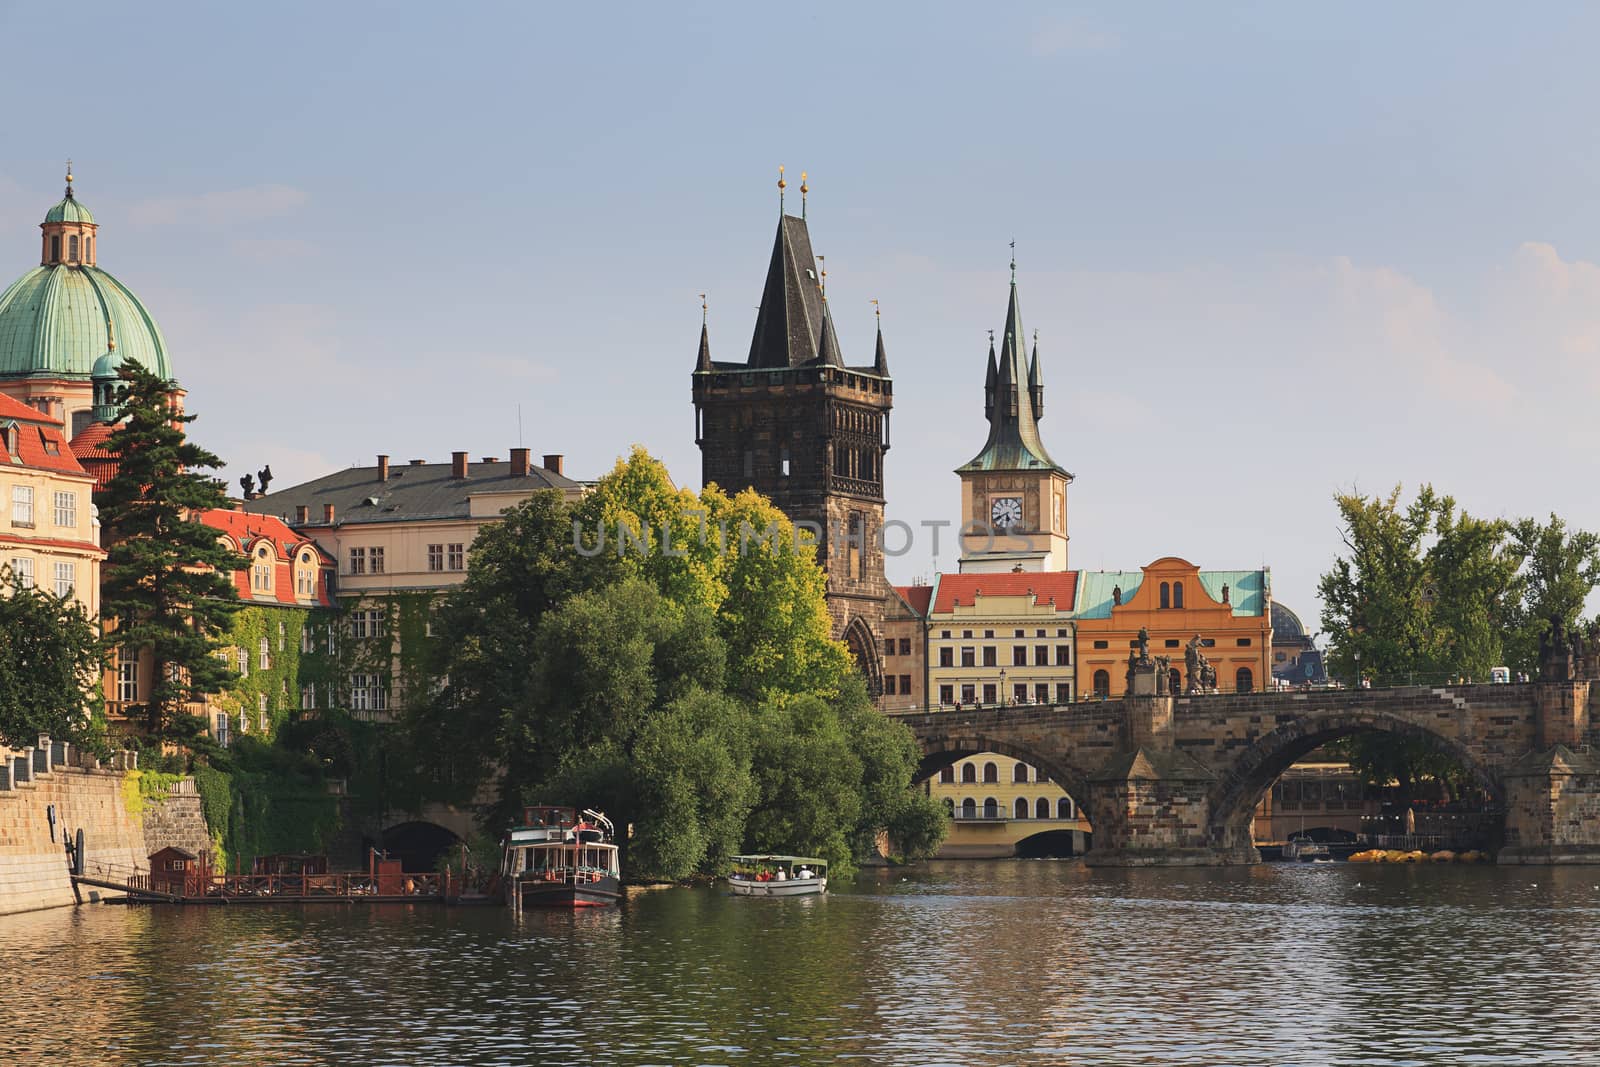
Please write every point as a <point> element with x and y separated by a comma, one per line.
<point>39,441</point>
<point>89,447</point>
<point>246,530</point>
<point>1060,586</point>
<point>12,408</point>
<point>916,597</point>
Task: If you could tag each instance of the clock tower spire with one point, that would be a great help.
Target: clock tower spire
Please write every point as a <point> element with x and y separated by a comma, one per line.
<point>1013,494</point>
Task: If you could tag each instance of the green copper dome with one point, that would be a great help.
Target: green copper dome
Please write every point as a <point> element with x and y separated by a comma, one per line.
<point>53,324</point>
<point>69,210</point>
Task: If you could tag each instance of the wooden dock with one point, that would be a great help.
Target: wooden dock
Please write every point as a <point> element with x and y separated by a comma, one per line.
<point>204,887</point>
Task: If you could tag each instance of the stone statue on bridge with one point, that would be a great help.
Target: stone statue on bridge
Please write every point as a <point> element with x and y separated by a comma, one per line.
<point>1196,667</point>
<point>1144,645</point>
<point>1556,653</point>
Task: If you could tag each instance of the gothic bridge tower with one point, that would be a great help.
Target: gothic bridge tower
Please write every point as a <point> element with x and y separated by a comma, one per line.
<point>795,423</point>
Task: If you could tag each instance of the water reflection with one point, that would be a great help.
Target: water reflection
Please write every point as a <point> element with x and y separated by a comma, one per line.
<point>954,963</point>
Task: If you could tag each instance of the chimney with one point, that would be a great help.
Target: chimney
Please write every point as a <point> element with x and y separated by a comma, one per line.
<point>327,514</point>
<point>552,462</point>
<point>491,459</point>
<point>520,461</point>
<point>383,468</point>
<point>458,464</point>
<point>302,513</point>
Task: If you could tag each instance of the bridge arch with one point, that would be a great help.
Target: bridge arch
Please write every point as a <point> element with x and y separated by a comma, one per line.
<point>418,843</point>
<point>943,751</point>
<point>1233,800</point>
<point>863,646</point>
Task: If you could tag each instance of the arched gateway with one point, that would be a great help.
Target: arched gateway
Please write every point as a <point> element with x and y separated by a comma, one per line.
<point>1169,780</point>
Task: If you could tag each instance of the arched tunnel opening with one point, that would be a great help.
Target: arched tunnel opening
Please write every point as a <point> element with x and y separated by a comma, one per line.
<point>417,845</point>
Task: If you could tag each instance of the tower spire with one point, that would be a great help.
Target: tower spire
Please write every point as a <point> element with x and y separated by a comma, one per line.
<point>880,363</point>
<point>703,361</point>
<point>1036,380</point>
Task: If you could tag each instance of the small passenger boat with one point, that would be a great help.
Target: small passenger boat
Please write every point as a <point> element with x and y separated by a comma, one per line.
<point>558,858</point>
<point>777,876</point>
<point>1305,850</point>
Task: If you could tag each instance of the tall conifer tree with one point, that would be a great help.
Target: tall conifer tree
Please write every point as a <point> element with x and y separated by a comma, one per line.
<point>166,584</point>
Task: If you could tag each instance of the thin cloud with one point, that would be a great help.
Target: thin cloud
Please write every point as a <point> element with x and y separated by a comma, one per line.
<point>249,204</point>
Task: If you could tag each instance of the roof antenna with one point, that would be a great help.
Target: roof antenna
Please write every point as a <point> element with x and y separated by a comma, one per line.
<point>782,185</point>
<point>804,189</point>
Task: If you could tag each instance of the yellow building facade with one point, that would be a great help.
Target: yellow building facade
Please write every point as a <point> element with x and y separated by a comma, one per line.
<point>1001,639</point>
<point>49,536</point>
<point>997,804</point>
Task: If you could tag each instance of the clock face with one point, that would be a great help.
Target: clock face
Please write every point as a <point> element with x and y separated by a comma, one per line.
<point>1005,512</point>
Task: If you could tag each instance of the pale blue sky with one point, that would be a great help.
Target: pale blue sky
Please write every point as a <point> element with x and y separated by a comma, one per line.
<point>1271,250</point>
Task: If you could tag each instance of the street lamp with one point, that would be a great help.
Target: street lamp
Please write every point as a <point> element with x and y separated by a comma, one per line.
<point>1002,687</point>
<point>1358,668</point>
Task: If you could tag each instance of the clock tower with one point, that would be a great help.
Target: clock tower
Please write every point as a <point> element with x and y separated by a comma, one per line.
<point>1013,495</point>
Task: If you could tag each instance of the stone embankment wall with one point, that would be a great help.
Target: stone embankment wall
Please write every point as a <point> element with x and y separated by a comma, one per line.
<point>53,779</point>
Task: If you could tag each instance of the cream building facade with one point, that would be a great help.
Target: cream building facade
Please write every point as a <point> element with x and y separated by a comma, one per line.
<point>49,533</point>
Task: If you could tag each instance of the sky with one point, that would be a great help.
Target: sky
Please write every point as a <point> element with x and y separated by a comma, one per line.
<point>1272,252</point>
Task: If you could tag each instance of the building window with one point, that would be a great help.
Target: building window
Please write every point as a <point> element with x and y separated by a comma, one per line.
<point>1063,655</point>
<point>436,557</point>
<point>1064,808</point>
<point>1166,595</point>
<point>1063,692</point>
<point>367,693</point>
<point>1041,655</point>
<point>127,675</point>
<point>55,248</point>
<point>222,728</point>
<point>989,695</point>
<point>1019,810</point>
<point>1102,644</point>
<point>358,561</point>
<point>988,655</point>
<point>66,579</point>
<point>888,646</point>
<point>947,776</point>
<point>308,698</point>
<point>1102,684</point>
<point>22,505</point>
<point>458,557</point>
<point>905,685</point>
<point>22,571</point>
<point>1019,693</point>
<point>1042,808</point>
<point>1171,642</point>
<point>1041,692</point>
<point>991,773</point>
<point>282,634</point>
<point>264,655</point>
<point>991,808</point>
<point>1018,633</point>
<point>969,808</point>
<point>1019,655</point>
<point>306,645</point>
<point>969,772</point>
<point>944,634</point>
<point>905,646</point>
<point>375,557</point>
<point>1019,772</point>
<point>244,723</point>
<point>969,694</point>
<point>72,248</point>
<point>946,657</point>
<point>1244,642</point>
<point>947,695</point>
<point>749,464</point>
<point>889,685</point>
<point>244,663</point>
<point>66,509</point>
<point>1244,680</point>
<point>969,656</point>
<point>1177,594</point>
<point>783,462</point>
<point>333,639</point>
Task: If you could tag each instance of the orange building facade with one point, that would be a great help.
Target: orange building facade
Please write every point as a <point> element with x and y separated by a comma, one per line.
<point>1175,601</point>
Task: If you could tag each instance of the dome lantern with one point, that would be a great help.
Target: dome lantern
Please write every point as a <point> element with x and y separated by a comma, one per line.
<point>69,232</point>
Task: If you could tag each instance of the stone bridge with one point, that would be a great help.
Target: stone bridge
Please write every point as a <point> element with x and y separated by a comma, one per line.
<point>1174,780</point>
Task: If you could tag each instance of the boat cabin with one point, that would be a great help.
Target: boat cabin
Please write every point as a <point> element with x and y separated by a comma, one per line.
<point>773,868</point>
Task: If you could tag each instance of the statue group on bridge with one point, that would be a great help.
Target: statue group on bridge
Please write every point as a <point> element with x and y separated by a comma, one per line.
<point>1202,676</point>
<point>1565,656</point>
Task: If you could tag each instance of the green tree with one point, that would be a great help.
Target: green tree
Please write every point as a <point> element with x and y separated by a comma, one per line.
<point>1562,568</point>
<point>49,669</point>
<point>166,581</point>
<point>1425,592</point>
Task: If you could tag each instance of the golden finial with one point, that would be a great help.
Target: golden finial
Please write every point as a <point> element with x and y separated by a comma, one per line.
<point>782,185</point>
<point>703,309</point>
<point>804,189</point>
<point>877,312</point>
<point>69,179</point>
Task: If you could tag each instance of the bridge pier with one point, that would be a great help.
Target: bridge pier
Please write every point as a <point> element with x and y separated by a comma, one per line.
<point>1152,808</point>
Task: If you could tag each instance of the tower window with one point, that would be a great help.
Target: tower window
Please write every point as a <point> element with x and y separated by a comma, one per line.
<point>72,248</point>
<point>1166,595</point>
<point>55,248</point>
<point>749,464</point>
<point>783,463</point>
<point>1177,594</point>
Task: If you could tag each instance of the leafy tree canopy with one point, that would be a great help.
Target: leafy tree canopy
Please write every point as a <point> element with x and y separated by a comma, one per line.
<point>49,669</point>
<point>166,584</point>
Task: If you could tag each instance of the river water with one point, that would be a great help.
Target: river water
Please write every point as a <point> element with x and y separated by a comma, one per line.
<point>977,963</point>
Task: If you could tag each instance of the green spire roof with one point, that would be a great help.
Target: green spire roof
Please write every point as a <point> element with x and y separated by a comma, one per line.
<point>1014,442</point>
